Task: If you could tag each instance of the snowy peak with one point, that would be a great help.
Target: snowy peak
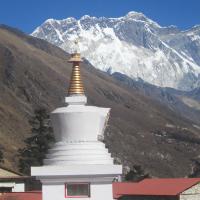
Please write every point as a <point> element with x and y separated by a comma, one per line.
<point>139,17</point>
<point>134,14</point>
<point>133,45</point>
<point>87,17</point>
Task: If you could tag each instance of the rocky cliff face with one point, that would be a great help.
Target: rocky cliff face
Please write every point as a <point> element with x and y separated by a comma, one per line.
<point>141,130</point>
<point>132,45</point>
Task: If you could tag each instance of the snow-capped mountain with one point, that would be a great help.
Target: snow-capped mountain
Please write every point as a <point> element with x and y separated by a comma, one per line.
<point>132,45</point>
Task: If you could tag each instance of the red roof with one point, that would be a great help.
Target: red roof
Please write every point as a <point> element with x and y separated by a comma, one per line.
<point>154,187</point>
<point>150,187</point>
<point>22,196</point>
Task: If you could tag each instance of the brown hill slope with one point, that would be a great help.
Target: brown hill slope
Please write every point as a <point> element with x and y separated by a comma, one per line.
<point>141,131</point>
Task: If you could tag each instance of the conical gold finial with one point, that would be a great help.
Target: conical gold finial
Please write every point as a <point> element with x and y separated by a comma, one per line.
<point>76,84</point>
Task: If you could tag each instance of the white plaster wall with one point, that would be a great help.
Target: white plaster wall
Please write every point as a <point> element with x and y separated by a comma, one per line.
<point>78,123</point>
<point>57,192</point>
<point>101,191</point>
<point>7,184</point>
<point>19,187</point>
<point>53,192</point>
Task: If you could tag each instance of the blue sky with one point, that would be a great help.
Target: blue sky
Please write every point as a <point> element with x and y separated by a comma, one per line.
<point>28,14</point>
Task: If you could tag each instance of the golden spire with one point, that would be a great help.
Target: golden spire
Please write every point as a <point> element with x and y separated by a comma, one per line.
<point>76,84</point>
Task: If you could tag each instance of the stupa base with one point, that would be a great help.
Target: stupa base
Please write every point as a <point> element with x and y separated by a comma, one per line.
<point>55,179</point>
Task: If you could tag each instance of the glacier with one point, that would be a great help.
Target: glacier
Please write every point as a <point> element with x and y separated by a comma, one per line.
<point>133,45</point>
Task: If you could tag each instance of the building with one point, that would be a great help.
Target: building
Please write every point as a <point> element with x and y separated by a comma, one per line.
<point>11,181</point>
<point>78,165</point>
<point>158,189</point>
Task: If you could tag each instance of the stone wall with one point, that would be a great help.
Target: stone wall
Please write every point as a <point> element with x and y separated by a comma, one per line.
<point>192,193</point>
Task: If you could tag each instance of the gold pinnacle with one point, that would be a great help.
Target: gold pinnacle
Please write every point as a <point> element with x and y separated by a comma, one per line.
<point>76,84</point>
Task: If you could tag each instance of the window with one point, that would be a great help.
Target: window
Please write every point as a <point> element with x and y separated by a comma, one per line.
<point>5,189</point>
<point>77,190</point>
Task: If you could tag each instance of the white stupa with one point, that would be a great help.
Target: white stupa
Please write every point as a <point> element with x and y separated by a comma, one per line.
<point>78,166</point>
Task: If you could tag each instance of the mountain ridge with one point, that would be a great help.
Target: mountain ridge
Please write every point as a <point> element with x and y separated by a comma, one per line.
<point>133,45</point>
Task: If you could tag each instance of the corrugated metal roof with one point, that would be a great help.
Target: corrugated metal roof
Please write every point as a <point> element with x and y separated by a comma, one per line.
<point>7,172</point>
<point>154,187</point>
<point>22,196</point>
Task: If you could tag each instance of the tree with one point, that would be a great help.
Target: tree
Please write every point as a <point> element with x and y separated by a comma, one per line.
<point>1,155</point>
<point>195,171</point>
<point>38,143</point>
<point>137,173</point>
